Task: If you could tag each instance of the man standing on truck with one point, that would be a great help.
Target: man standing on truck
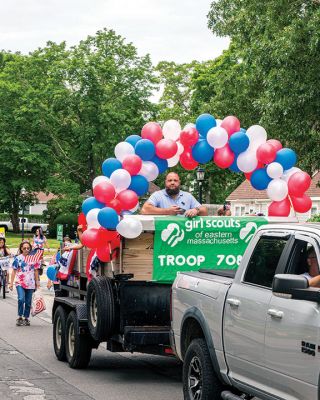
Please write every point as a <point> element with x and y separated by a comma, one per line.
<point>173,201</point>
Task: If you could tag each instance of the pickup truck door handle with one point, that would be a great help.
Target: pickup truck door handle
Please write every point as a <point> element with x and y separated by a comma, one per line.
<point>275,313</point>
<point>233,302</point>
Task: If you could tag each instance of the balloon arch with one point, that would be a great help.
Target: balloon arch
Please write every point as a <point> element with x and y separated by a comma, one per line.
<point>140,159</point>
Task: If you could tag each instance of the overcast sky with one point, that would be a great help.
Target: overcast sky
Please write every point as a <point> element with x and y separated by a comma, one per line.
<point>172,30</point>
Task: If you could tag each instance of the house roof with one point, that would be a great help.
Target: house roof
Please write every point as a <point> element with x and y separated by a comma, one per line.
<point>43,197</point>
<point>245,191</point>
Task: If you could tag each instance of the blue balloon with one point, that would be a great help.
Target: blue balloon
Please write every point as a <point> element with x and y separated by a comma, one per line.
<point>90,203</point>
<point>133,139</point>
<point>205,122</point>
<point>243,130</point>
<point>260,179</point>
<point>160,163</point>
<point>234,166</point>
<point>139,184</point>
<point>52,273</point>
<point>145,149</point>
<point>108,218</point>
<point>202,152</point>
<point>239,142</point>
<point>110,165</point>
<point>286,157</point>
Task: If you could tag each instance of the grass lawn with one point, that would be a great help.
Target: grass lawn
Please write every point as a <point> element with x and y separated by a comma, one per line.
<point>14,239</point>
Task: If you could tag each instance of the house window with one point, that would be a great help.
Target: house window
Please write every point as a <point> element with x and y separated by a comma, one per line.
<point>239,210</point>
<point>314,210</point>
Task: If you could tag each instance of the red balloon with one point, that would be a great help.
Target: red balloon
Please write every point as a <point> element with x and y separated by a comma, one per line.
<point>105,236</point>
<point>82,221</point>
<point>128,199</point>
<point>275,143</point>
<point>152,131</point>
<point>298,183</point>
<point>166,148</point>
<point>223,157</point>
<point>115,204</point>
<point>279,208</point>
<point>90,237</point>
<point>266,153</point>
<point>189,136</point>
<point>301,204</point>
<point>104,192</point>
<point>231,124</point>
<point>187,161</point>
<point>106,253</point>
<point>132,164</point>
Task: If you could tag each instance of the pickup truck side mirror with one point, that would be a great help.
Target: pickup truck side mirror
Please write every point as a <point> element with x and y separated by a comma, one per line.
<point>295,287</point>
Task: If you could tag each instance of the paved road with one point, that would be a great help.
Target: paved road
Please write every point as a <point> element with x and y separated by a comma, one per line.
<point>29,369</point>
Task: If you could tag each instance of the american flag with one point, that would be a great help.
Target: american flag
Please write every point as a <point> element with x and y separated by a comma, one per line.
<point>34,256</point>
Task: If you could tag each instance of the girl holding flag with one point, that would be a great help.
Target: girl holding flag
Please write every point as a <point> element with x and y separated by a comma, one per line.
<point>25,274</point>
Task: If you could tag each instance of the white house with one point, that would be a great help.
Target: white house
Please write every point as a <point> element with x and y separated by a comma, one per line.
<point>247,200</point>
<point>41,205</point>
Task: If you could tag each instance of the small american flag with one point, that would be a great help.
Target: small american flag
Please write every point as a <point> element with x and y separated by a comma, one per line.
<point>34,256</point>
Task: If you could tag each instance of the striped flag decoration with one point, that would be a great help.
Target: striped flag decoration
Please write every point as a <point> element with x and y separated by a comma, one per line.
<point>34,257</point>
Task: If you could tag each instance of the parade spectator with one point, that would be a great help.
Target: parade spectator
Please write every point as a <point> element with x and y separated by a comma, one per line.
<point>4,259</point>
<point>224,211</point>
<point>173,201</point>
<point>39,240</point>
<point>25,275</point>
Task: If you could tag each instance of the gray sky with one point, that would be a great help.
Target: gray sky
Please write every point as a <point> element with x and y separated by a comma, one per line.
<point>173,30</point>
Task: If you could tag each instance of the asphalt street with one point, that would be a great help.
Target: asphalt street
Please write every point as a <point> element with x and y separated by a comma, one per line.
<point>29,369</point>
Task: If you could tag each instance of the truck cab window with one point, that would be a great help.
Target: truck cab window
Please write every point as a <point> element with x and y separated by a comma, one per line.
<point>264,261</point>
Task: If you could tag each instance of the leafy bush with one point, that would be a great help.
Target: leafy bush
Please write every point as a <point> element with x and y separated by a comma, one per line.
<point>69,222</point>
<point>314,218</point>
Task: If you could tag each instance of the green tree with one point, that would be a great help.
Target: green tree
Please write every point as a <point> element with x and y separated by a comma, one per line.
<point>276,45</point>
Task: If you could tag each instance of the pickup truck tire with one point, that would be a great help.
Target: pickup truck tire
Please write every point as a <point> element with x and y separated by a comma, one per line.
<point>101,308</point>
<point>199,379</point>
<point>59,333</point>
<point>78,347</point>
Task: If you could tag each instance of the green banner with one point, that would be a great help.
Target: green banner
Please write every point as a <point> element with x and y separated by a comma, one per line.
<point>185,244</point>
<point>60,232</point>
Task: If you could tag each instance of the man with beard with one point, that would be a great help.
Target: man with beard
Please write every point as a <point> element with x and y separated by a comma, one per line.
<point>173,201</point>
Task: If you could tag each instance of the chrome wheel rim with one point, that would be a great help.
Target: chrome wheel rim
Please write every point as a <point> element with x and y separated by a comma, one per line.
<point>71,339</point>
<point>195,378</point>
<point>93,310</point>
<point>58,333</point>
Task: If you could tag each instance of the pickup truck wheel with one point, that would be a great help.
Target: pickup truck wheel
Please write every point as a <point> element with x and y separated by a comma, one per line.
<point>78,347</point>
<point>100,308</point>
<point>199,379</point>
<point>59,333</point>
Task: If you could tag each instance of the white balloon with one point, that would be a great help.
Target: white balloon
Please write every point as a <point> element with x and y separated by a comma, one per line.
<point>217,137</point>
<point>180,149</point>
<point>99,179</point>
<point>149,170</point>
<point>173,160</point>
<point>92,218</point>
<point>189,125</point>
<point>122,150</point>
<point>218,121</point>
<point>257,136</point>
<point>130,228</point>
<point>121,179</point>
<point>277,190</point>
<point>275,170</point>
<point>171,129</point>
<point>289,172</point>
<point>247,161</point>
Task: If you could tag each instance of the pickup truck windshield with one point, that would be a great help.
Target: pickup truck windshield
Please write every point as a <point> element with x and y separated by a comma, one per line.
<point>264,261</point>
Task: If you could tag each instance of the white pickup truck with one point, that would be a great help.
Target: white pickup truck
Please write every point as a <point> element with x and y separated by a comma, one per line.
<point>256,332</point>
<point>28,226</point>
